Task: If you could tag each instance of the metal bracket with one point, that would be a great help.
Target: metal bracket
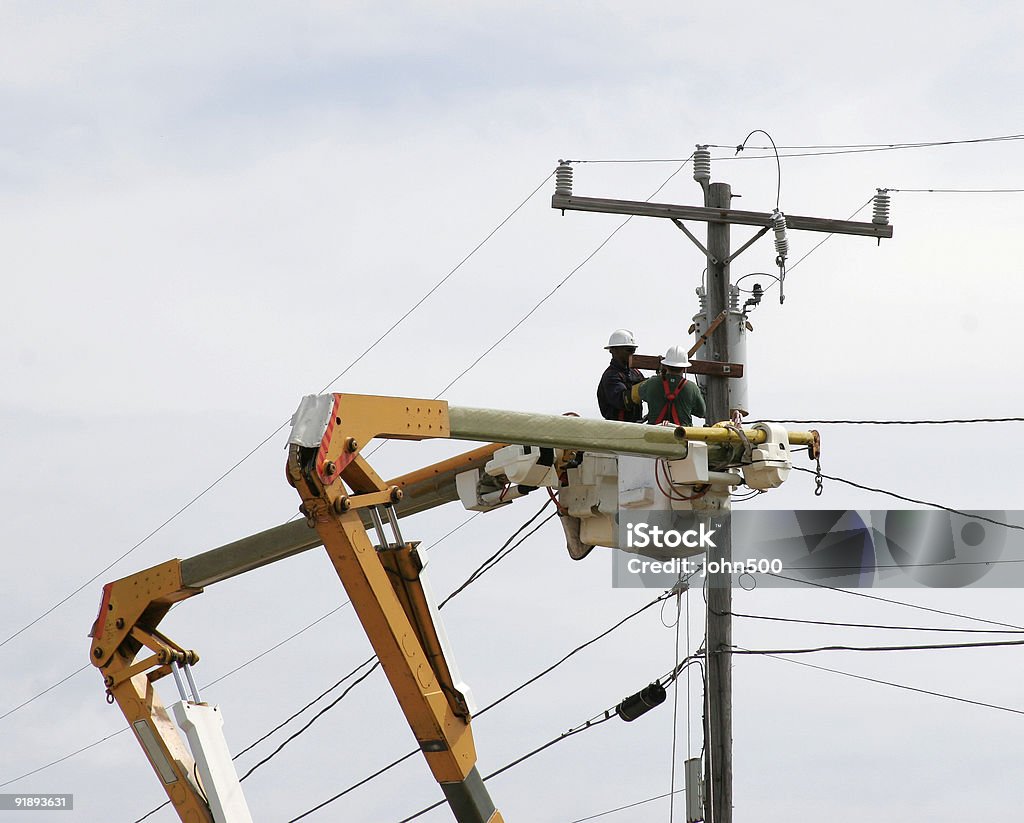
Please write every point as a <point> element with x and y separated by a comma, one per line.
<point>697,243</point>
<point>748,244</point>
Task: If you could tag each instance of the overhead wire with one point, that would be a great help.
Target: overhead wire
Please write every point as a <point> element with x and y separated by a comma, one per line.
<point>558,285</point>
<point>943,422</point>
<point>973,516</point>
<point>818,150</point>
<point>839,624</point>
<point>274,433</point>
<point>499,700</point>
<point>45,691</point>
<point>251,660</point>
<point>901,648</point>
<point>903,686</point>
<point>894,602</point>
<point>624,808</point>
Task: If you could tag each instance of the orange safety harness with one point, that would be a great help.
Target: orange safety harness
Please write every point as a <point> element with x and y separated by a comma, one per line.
<point>670,402</point>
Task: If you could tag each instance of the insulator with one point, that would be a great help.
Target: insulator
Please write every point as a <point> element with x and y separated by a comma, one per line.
<point>641,702</point>
<point>702,299</point>
<point>781,241</point>
<point>734,298</point>
<point>563,179</point>
<point>702,165</point>
<point>881,211</point>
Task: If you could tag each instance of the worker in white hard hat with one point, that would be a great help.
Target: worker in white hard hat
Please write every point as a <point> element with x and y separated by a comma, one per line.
<point>669,396</point>
<point>614,392</point>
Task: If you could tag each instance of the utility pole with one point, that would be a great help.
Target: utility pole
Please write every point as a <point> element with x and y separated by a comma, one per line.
<point>718,213</point>
<point>718,715</point>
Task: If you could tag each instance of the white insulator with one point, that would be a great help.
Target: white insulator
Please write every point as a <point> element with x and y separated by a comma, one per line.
<point>781,240</point>
<point>702,165</point>
<point>881,210</point>
<point>702,298</point>
<point>563,179</point>
<point>734,298</point>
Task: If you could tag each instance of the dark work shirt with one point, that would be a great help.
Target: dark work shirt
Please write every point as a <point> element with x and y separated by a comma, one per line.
<point>611,391</point>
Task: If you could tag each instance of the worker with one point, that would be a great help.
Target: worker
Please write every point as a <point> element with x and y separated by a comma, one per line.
<point>614,392</point>
<point>669,396</point>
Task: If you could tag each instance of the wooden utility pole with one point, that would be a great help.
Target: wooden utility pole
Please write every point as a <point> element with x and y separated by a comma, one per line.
<point>718,715</point>
<point>718,213</point>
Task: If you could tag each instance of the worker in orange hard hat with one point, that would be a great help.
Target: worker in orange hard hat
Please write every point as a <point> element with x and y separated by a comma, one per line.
<point>614,392</point>
<point>669,396</point>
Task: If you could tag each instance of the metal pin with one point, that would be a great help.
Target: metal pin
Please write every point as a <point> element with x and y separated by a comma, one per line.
<point>393,520</point>
<point>192,683</point>
<point>177,679</point>
<point>378,526</point>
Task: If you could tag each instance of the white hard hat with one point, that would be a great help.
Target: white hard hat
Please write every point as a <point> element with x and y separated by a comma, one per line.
<point>676,357</point>
<point>621,337</point>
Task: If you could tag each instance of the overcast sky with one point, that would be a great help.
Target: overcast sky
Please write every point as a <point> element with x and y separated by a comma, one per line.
<point>209,210</point>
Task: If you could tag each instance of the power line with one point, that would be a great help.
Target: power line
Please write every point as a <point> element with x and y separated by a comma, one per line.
<point>910,499</point>
<point>498,556</point>
<point>946,422</point>
<point>44,691</point>
<point>960,191</point>
<point>62,759</point>
<point>900,686</point>
<point>597,720</point>
<point>623,808</point>
<point>310,722</point>
<point>891,601</point>
<point>819,150</point>
<point>776,618</point>
<point>907,648</point>
<point>269,437</point>
<point>824,240</point>
<point>311,703</point>
<point>495,703</point>
<point>559,285</point>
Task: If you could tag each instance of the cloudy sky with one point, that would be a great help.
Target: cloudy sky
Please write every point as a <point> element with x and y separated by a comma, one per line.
<point>210,210</point>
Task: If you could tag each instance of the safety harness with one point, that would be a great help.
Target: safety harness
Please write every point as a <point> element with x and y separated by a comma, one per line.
<point>670,402</point>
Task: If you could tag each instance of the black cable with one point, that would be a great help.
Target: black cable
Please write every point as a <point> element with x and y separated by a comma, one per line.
<point>778,165</point>
<point>354,786</point>
<point>267,439</point>
<point>590,724</point>
<point>312,720</point>
<point>490,706</point>
<point>900,422</point>
<point>596,720</point>
<point>776,618</point>
<point>961,191</point>
<point>900,686</point>
<point>910,499</point>
<point>575,651</point>
<point>308,626</point>
<point>855,593</point>
<point>497,557</point>
<point>908,648</point>
<point>311,703</point>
